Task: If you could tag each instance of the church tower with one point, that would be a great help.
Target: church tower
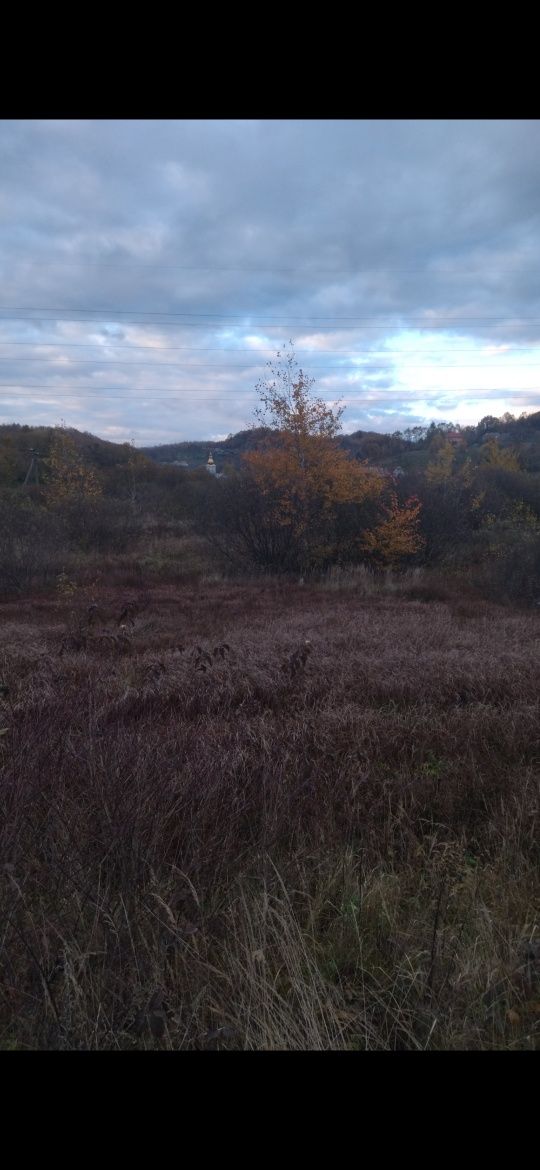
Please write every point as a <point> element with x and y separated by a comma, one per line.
<point>210,466</point>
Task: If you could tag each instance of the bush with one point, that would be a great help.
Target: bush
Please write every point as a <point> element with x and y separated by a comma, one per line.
<point>34,544</point>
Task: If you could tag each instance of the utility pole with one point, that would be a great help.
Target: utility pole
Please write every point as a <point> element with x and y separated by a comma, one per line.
<point>35,455</point>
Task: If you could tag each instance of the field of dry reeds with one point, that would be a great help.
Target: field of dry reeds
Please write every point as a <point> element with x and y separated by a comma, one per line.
<point>265,815</point>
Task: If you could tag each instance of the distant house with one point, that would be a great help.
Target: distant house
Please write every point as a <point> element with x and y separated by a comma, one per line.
<point>455,438</point>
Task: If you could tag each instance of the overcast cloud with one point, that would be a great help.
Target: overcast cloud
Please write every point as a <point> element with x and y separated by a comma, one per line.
<point>150,269</point>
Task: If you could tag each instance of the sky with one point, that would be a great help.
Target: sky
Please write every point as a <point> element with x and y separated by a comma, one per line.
<point>151,269</point>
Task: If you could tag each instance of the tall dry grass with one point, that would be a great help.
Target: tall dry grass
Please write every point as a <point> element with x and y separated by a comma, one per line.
<point>213,838</point>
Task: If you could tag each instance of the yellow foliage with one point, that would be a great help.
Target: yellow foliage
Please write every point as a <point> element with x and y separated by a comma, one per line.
<point>311,469</point>
<point>303,481</point>
<point>441,468</point>
<point>287,402</point>
<point>497,456</point>
<point>397,535</point>
<point>70,479</point>
<point>304,477</point>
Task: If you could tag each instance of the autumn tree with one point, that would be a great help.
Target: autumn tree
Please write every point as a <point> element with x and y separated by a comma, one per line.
<point>397,535</point>
<point>496,456</point>
<point>440,469</point>
<point>74,492</point>
<point>286,404</point>
<point>70,480</point>
<point>301,474</point>
<point>301,501</point>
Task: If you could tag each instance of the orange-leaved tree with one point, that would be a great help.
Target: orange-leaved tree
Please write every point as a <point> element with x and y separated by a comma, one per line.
<point>309,501</point>
<point>397,535</point>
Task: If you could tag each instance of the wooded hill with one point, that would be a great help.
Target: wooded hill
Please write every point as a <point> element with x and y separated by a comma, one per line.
<point>411,449</point>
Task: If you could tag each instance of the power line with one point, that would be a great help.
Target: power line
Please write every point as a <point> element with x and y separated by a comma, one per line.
<point>203,396</point>
<point>351,363</point>
<point>313,328</point>
<point>377,269</point>
<point>250,313</point>
<point>110,344</point>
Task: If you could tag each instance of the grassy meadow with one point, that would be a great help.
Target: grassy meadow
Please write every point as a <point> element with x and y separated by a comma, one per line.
<point>257,814</point>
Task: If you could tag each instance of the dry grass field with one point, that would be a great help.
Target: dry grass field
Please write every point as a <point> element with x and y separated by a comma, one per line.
<point>261,815</point>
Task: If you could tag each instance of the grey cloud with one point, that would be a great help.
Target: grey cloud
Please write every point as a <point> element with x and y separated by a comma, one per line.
<point>394,223</point>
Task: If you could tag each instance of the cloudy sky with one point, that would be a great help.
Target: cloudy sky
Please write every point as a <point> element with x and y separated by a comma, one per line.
<point>151,269</point>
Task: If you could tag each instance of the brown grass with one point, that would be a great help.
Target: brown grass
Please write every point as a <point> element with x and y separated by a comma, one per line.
<point>269,816</point>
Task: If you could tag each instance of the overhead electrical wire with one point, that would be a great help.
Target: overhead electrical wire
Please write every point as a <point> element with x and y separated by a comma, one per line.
<point>351,366</point>
<point>205,396</point>
<point>303,320</point>
<point>376,269</point>
<point>221,321</point>
<point>106,343</point>
<point>309,317</point>
<point>306,328</point>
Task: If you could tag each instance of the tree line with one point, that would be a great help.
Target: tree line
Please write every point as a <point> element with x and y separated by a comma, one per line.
<point>462,500</point>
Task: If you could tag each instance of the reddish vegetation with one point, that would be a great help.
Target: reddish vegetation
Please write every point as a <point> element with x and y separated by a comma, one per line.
<point>265,815</point>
